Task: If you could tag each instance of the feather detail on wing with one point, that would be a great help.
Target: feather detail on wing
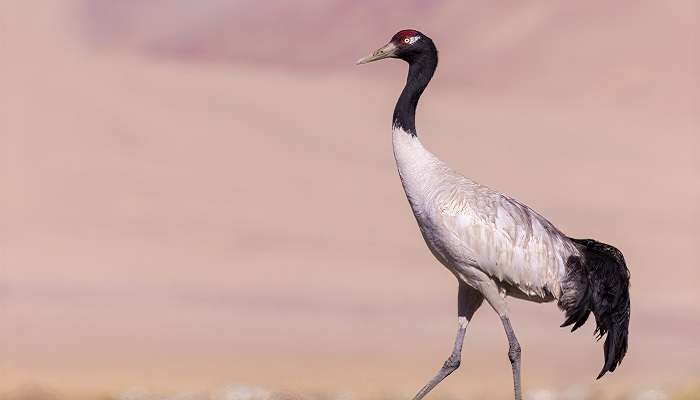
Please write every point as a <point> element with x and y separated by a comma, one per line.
<point>504,238</point>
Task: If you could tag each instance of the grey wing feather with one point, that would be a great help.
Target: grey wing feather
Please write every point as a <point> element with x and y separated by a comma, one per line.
<point>504,238</point>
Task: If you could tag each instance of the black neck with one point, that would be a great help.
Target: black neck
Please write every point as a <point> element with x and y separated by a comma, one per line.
<point>420,71</point>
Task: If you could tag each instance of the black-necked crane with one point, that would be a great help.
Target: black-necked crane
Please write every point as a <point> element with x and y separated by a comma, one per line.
<point>496,246</point>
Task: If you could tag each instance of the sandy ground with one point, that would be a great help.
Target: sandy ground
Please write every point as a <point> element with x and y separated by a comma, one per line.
<point>188,217</point>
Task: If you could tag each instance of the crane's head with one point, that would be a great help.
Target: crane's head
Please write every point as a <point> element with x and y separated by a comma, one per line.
<point>408,45</point>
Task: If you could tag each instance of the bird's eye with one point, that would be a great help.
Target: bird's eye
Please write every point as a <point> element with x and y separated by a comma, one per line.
<point>407,40</point>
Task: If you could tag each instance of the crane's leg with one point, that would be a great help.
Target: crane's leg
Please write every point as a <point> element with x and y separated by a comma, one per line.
<point>468,301</point>
<point>497,301</point>
<point>513,356</point>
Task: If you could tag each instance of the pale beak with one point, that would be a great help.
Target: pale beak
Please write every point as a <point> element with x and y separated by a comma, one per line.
<point>385,52</point>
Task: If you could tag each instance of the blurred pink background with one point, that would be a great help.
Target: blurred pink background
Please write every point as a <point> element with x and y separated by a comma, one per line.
<point>201,194</point>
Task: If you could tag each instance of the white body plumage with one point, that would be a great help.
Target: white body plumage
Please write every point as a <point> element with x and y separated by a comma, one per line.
<point>479,234</point>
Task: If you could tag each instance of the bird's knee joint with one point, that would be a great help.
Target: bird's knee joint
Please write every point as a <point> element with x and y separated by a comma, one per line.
<point>452,363</point>
<point>514,352</point>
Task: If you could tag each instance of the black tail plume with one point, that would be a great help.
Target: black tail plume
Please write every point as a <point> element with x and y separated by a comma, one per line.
<point>599,282</point>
